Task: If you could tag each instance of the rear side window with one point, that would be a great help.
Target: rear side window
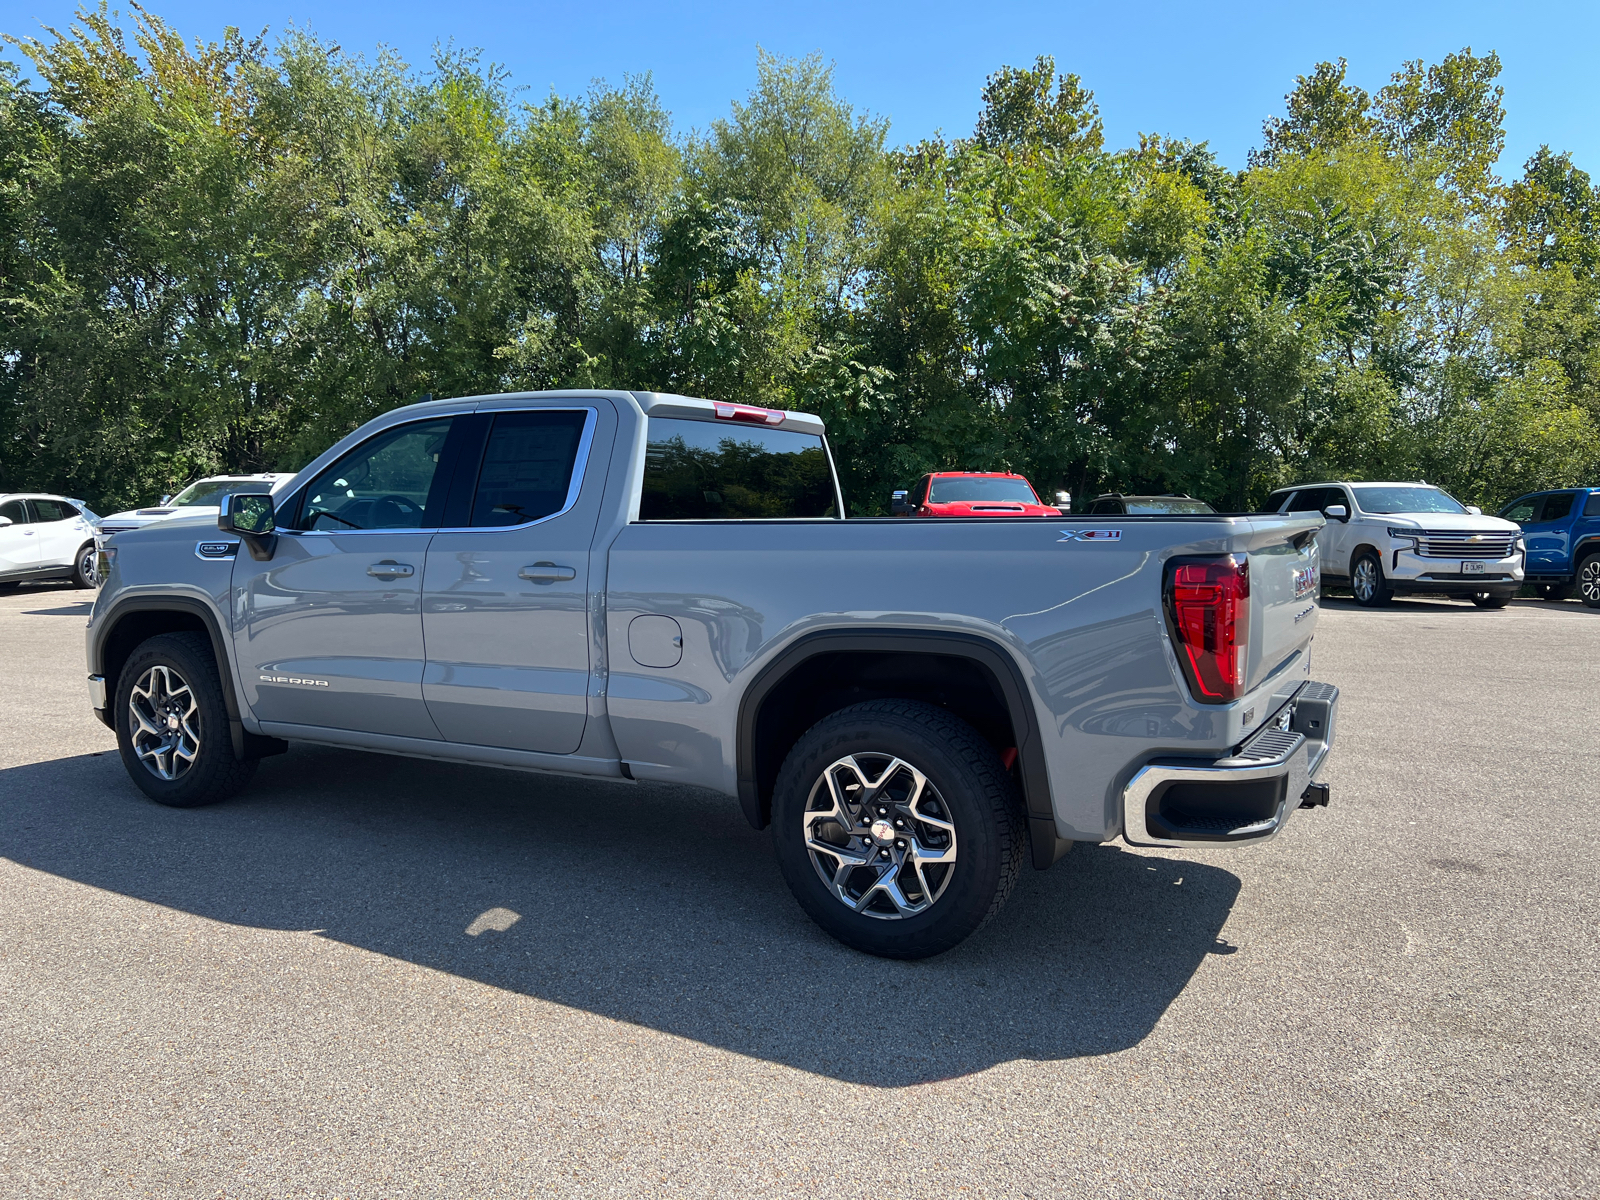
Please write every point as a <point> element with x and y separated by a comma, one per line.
<point>528,466</point>
<point>1558,506</point>
<point>17,510</point>
<point>54,510</point>
<point>1592,508</point>
<point>704,470</point>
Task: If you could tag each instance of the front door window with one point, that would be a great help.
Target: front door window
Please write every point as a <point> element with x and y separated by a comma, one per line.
<point>391,481</point>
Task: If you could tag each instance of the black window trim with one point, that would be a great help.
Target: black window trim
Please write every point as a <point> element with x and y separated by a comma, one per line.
<point>579,469</point>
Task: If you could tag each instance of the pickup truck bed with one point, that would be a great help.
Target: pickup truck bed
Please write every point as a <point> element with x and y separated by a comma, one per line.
<point>999,688</point>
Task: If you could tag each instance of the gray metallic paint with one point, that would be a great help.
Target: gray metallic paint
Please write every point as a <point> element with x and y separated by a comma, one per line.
<point>1081,620</point>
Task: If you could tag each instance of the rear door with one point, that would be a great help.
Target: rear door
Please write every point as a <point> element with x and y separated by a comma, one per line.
<point>506,595</point>
<point>19,541</point>
<point>61,531</point>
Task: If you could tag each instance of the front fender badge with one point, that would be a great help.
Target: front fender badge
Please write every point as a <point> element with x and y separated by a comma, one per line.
<point>1090,535</point>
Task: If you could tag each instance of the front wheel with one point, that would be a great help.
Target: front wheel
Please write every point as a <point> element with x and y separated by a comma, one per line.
<point>1589,581</point>
<point>897,828</point>
<point>172,723</point>
<point>86,569</point>
<point>1367,583</point>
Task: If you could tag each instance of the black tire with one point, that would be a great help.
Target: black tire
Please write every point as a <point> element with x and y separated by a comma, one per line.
<point>210,773</point>
<point>1589,581</point>
<point>10,586</point>
<point>1556,591</point>
<point>1367,584</point>
<point>86,567</point>
<point>1491,599</point>
<point>966,783</point>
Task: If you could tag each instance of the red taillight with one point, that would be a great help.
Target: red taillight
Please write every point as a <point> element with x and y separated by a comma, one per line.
<point>1208,607</point>
<point>750,413</point>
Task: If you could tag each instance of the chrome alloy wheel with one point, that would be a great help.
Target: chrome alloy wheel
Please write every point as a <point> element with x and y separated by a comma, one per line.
<point>1365,581</point>
<point>880,836</point>
<point>1589,581</point>
<point>165,723</point>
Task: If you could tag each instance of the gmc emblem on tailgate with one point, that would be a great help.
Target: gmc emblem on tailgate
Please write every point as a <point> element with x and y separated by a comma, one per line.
<point>1305,582</point>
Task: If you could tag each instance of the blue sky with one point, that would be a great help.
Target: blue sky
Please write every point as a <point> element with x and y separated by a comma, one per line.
<point>1203,70</point>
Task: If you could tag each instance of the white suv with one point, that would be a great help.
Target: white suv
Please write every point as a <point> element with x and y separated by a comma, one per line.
<point>1388,539</point>
<point>199,498</point>
<point>46,537</point>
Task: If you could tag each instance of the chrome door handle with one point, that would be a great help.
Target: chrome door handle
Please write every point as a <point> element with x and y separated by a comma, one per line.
<point>389,569</point>
<point>546,572</point>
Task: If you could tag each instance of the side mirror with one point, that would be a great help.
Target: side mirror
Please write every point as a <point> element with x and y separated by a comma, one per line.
<point>1336,512</point>
<point>166,500</point>
<point>899,507</point>
<point>1064,501</point>
<point>1475,510</point>
<point>255,519</point>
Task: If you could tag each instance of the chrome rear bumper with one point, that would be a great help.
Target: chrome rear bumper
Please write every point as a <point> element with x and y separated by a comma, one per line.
<point>1244,798</point>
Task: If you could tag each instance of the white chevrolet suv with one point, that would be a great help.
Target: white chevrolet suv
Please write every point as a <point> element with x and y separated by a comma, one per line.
<point>1388,539</point>
<point>198,499</point>
<point>46,537</point>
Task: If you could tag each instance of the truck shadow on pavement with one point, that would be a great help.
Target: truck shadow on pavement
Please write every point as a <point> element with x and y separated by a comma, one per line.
<point>647,904</point>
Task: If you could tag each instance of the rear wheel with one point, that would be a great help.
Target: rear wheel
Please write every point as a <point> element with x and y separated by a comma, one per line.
<point>172,723</point>
<point>86,569</point>
<point>1557,591</point>
<point>1589,581</point>
<point>1367,583</point>
<point>897,828</point>
<point>1491,599</point>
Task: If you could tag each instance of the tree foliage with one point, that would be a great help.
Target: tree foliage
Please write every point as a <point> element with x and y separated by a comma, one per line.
<point>224,255</point>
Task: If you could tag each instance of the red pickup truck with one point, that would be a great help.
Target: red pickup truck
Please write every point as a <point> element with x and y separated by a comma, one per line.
<point>971,494</point>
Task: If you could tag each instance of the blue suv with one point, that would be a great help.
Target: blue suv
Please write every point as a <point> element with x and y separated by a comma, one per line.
<point>1562,529</point>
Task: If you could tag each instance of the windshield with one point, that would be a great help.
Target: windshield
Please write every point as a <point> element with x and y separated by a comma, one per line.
<point>1408,499</point>
<point>960,490</point>
<point>1164,505</point>
<point>211,491</point>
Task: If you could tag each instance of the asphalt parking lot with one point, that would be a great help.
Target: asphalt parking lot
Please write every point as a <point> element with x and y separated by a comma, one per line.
<point>371,976</point>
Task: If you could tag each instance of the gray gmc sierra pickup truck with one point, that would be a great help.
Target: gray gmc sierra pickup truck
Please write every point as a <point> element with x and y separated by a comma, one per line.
<point>639,586</point>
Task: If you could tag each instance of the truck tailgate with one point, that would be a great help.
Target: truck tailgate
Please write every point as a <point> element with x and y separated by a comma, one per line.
<point>1284,577</point>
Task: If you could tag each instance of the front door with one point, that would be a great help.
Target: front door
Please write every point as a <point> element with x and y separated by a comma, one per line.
<point>505,601</point>
<point>328,632</point>
<point>19,541</point>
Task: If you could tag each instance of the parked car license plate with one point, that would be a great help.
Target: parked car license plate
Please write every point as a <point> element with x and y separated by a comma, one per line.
<point>1472,568</point>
